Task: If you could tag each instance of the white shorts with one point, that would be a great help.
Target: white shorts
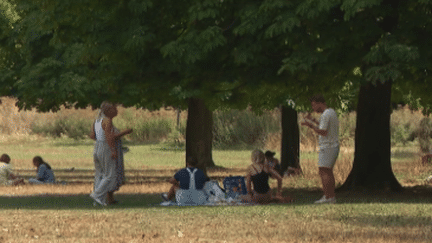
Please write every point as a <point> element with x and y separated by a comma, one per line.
<point>190,197</point>
<point>327,157</point>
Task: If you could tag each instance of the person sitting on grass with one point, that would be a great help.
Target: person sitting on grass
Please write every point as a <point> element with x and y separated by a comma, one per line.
<point>272,161</point>
<point>258,175</point>
<point>187,185</point>
<point>44,172</point>
<point>7,177</point>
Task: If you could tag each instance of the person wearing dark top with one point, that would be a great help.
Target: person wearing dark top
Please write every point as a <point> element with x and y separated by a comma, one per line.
<point>260,182</point>
<point>258,176</point>
<point>44,172</point>
<point>272,161</point>
<point>187,185</point>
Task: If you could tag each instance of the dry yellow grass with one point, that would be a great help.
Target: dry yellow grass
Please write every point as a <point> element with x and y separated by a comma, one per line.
<point>294,223</point>
<point>328,224</point>
<point>413,172</point>
<point>15,123</point>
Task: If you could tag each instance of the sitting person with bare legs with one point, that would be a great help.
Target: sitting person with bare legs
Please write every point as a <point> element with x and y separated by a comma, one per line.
<point>258,175</point>
<point>7,177</point>
<point>187,185</point>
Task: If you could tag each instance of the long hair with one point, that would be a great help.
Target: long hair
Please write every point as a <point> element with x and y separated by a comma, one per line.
<point>40,161</point>
<point>258,157</point>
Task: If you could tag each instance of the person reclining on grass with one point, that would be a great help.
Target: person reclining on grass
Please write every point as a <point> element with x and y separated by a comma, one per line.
<point>187,185</point>
<point>7,177</point>
<point>44,172</point>
<point>258,175</point>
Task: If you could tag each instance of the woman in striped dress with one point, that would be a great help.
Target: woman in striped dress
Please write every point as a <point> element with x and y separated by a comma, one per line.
<point>108,155</point>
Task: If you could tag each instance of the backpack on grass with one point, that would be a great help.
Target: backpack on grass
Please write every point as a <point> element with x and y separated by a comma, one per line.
<point>214,191</point>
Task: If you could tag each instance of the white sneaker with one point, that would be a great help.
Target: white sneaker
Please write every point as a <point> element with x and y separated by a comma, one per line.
<point>164,196</point>
<point>326,200</point>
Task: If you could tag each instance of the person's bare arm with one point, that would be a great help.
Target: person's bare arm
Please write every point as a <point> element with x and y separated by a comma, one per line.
<point>13,176</point>
<point>93,133</point>
<point>173,181</point>
<point>321,132</point>
<point>276,176</point>
<point>310,119</point>
<point>249,182</point>
<point>107,126</point>
<point>124,132</point>
<point>315,128</point>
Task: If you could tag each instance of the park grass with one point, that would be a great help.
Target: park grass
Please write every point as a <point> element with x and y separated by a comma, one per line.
<point>64,213</point>
<point>73,219</point>
<point>67,153</point>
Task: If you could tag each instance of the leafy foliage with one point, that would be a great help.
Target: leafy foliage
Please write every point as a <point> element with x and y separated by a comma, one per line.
<point>229,53</point>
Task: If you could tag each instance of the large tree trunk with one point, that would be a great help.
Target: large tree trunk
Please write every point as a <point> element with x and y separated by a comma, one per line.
<point>372,165</point>
<point>199,133</point>
<point>290,139</point>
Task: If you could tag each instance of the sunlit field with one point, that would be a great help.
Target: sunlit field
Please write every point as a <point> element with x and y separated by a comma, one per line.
<point>65,212</point>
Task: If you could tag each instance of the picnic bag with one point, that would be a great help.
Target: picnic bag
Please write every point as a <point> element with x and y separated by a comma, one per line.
<point>234,186</point>
<point>214,191</point>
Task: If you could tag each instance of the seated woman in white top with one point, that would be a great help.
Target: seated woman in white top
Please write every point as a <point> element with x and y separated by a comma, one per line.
<point>7,177</point>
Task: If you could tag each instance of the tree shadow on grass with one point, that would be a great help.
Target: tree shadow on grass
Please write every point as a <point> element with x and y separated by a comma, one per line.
<point>76,201</point>
<point>302,196</point>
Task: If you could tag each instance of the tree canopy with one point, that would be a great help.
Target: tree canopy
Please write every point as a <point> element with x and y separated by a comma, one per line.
<point>133,52</point>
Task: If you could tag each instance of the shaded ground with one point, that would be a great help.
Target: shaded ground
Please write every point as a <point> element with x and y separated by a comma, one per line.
<point>148,195</point>
<point>76,175</point>
<point>66,214</point>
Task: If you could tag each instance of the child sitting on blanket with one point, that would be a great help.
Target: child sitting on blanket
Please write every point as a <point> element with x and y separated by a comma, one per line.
<point>7,177</point>
<point>44,172</point>
<point>188,184</point>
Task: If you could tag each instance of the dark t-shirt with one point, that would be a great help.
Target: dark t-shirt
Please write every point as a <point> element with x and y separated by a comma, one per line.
<point>260,182</point>
<point>183,177</point>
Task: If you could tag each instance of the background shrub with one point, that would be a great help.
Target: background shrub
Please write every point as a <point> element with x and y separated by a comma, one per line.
<point>240,128</point>
<point>424,134</point>
<point>231,128</point>
<point>404,126</point>
<point>77,128</point>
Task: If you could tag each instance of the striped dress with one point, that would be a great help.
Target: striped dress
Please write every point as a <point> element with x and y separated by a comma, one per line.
<point>109,172</point>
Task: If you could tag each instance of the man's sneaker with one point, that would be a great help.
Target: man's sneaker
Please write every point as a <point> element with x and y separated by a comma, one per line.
<point>326,200</point>
<point>165,196</point>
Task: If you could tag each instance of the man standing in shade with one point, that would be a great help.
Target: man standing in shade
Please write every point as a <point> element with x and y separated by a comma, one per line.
<point>328,131</point>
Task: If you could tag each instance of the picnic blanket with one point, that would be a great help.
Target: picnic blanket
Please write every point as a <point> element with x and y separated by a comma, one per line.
<point>228,202</point>
<point>216,196</point>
